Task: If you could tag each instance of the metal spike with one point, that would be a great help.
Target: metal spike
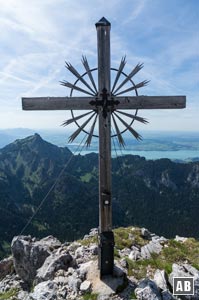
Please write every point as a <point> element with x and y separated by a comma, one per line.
<point>121,67</point>
<point>86,66</point>
<point>119,136</point>
<point>140,119</point>
<point>77,132</point>
<point>131,74</point>
<point>75,72</point>
<point>134,133</point>
<point>67,122</point>
<point>136,86</point>
<point>89,138</point>
<point>75,87</point>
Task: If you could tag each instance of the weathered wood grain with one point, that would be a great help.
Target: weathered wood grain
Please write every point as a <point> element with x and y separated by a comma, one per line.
<point>151,102</point>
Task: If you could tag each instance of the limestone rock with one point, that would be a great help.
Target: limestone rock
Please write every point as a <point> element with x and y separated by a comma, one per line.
<point>84,269</point>
<point>93,232</point>
<point>49,242</point>
<point>85,286</point>
<point>147,290</point>
<point>124,252</point>
<point>151,247</point>
<point>6,266</point>
<point>74,282</point>
<point>145,233</point>
<point>123,263</point>
<point>166,295</point>
<point>52,264</point>
<point>186,270</point>
<point>161,279</point>
<point>29,255</point>
<point>80,251</point>
<point>93,249</point>
<point>183,270</point>
<point>46,290</point>
<point>135,253</point>
<point>11,281</point>
<point>180,239</point>
<point>23,295</point>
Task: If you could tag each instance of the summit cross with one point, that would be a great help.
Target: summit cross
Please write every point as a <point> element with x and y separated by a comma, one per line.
<point>106,104</point>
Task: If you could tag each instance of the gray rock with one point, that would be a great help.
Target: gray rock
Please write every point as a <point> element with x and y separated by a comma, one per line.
<point>117,271</point>
<point>93,249</point>
<point>93,232</point>
<point>147,290</point>
<point>151,247</point>
<point>6,266</point>
<point>161,279</point>
<point>80,252</point>
<point>145,233</point>
<point>84,269</point>
<point>186,270</point>
<point>53,263</point>
<point>180,239</point>
<point>29,255</point>
<point>23,295</point>
<point>123,263</point>
<point>166,295</point>
<point>135,254</point>
<point>46,290</point>
<point>183,270</point>
<point>11,281</point>
<point>158,239</point>
<point>124,252</point>
<point>85,286</point>
<point>86,237</point>
<point>103,297</point>
<point>74,282</point>
<point>73,246</point>
<point>61,280</point>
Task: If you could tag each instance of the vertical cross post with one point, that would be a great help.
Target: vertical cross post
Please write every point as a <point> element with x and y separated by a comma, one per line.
<point>106,238</point>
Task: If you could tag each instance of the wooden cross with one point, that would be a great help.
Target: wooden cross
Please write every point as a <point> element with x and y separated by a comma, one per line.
<point>105,102</point>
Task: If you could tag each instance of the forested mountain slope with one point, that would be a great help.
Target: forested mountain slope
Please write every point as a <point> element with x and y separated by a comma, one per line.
<point>160,195</point>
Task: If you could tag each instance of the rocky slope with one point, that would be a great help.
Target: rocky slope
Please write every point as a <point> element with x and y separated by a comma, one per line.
<point>141,189</point>
<point>145,264</point>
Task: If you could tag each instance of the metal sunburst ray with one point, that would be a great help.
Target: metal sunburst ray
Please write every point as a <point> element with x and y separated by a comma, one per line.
<point>69,121</point>
<point>139,119</point>
<point>119,136</point>
<point>134,133</point>
<point>137,86</point>
<point>77,132</point>
<point>88,70</point>
<point>121,67</point>
<point>89,138</point>
<point>137,68</point>
<point>75,87</point>
<point>76,73</point>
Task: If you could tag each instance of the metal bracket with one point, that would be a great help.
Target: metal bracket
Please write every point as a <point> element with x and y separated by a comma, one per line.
<point>105,103</point>
<point>106,253</point>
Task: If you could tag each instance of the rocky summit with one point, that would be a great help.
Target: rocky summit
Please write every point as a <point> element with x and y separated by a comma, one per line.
<point>145,265</point>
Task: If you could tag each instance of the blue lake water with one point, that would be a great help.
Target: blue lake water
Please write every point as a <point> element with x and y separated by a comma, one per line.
<point>173,155</point>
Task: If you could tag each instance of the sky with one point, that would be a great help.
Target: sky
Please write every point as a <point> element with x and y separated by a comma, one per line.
<point>37,37</point>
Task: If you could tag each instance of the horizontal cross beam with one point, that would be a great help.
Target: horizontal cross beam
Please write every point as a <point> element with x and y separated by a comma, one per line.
<point>84,103</point>
<point>151,102</point>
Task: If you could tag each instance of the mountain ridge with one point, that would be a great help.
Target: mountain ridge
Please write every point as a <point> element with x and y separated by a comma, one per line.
<point>142,189</point>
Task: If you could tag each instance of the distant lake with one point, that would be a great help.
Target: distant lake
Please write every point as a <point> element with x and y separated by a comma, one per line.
<point>173,155</point>
<point>155,145</point>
